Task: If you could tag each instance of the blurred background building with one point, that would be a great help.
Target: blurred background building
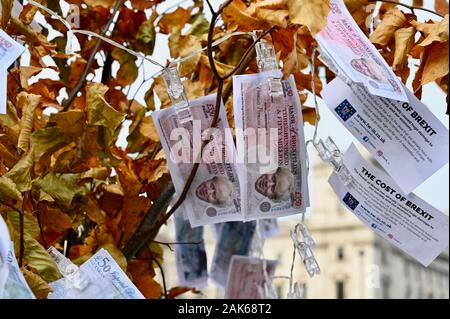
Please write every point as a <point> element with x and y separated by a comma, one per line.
<point>354,262</point>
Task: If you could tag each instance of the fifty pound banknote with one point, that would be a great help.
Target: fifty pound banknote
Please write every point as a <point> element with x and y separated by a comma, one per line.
<point>214,195</point>
<point>271,145</point>
<point>106,281</point>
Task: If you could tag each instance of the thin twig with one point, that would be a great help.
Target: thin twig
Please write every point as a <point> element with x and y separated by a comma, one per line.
<point>166,295</point>
<point>91,59</point>
<point>412,8</point>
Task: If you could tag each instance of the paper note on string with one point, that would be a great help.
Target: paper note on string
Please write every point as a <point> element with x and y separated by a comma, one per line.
<point>190,254</point>
<point>355,56</point>
<point>406,138</point>
<point>246,275</point>
<point>235,239</point>
<point>405,221</point>
<point>214,195</point>
<point>10,50</point>
<point>270,147</point>
<point>106,281</point>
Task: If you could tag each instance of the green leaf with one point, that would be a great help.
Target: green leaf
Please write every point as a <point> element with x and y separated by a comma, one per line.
<point>37,257</point>
<point>47,140</point>
<point>146,36</point>
<point>199,26</point>
<point>61,187</point>
<point>8,189</point>
<point>21,172</point>
<point>157,253</point>
<point>128,71</point>
<point>99,111</point>
<point>30,224</point>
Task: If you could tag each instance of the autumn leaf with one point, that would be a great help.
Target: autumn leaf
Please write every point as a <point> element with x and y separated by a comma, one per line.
<point>61,187</point>
<point>174,21</point>
<point>404,41</point>
<point>236,16</point>
<point>37,284</point>
<point>312,13</point>
<point>28,103</point>
<point>274,17</point>
<point>142,273</point>
<point>128,71</point>
<point>441,6</point>
<point>99,111</point>
<point>436,65</point>
<point>7,6</point>
<point>8,189</point>
<point>21,172</point>
<point>433,31</point>
<point>385,32</point>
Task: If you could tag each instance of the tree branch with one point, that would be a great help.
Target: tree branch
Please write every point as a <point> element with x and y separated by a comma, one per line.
<point>91,59</point>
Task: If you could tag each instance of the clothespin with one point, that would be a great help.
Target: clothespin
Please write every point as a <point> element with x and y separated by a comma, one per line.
<point>75,278</point>
<point>177,94</point>
<point>332,67</point>
<point>267,61</point>
<point>304,242</point>
<point>329,152</point>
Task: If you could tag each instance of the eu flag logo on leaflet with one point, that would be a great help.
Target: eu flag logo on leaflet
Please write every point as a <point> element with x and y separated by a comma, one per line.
<point>345,110</point>
<point>350,201</point>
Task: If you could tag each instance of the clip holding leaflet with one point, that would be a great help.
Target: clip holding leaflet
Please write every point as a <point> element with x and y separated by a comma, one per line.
<point>177,94</point>
<point>75,278</point>
<point>329,152</point>
<point>267,61</point>
<point>304,242</point>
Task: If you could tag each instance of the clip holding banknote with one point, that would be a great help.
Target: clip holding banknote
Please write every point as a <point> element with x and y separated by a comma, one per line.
<point>75,278</point>
<point>332,67</point>
<point>329,152</point>
<point>177,94</point>
<point>267,61</point>
<point>304,242</point>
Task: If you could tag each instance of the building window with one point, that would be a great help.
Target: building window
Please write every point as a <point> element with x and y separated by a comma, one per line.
<point>340,289</point>
<point>340,253</point>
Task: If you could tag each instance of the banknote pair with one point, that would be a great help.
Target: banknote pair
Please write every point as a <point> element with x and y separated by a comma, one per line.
<point>265,177</point>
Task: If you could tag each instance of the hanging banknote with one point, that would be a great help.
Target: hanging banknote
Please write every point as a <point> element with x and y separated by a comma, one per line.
<point>355,57</point>
<point>246,275</point>
<point>106,281</point>
<point>214,195</point>
<point>190,254</point>
<point>235,238</point>
<point>270,147</point>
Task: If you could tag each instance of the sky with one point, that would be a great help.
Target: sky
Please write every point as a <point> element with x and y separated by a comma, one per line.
<point>435,190</point>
